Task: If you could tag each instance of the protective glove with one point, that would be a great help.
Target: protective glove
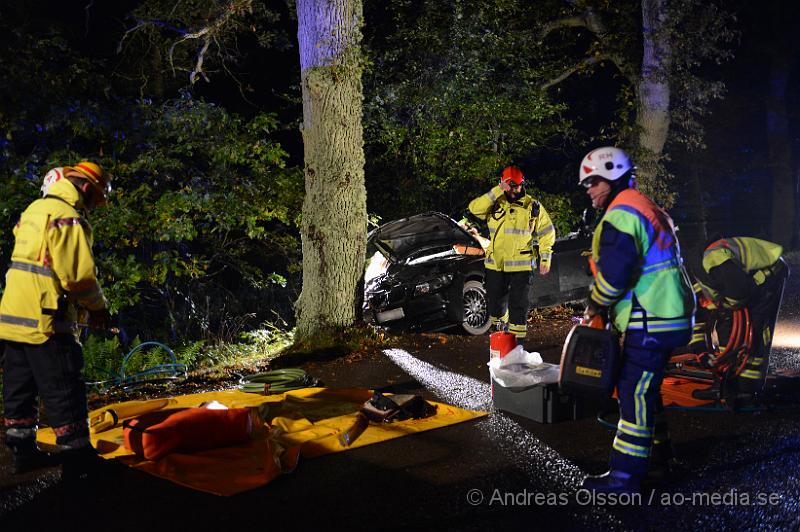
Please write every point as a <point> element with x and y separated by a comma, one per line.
<point>594,312</point>
<point>99,319</point>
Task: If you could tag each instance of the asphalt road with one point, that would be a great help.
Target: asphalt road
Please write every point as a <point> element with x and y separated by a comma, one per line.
<point>740,471</point>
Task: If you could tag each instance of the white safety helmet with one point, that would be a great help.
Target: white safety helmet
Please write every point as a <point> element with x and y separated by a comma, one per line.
<point>53,176</point>
<point>607,162</point>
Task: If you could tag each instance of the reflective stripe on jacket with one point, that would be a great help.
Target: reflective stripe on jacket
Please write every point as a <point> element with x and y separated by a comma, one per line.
<point>520,236</point>
<point>754,256</point>
<point>661,285</point>
<point>52,268</point>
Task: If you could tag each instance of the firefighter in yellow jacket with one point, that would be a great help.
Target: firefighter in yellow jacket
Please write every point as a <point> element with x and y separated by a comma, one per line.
<point>521,238</point>
<point>52,273</point>
<point>735,273</point>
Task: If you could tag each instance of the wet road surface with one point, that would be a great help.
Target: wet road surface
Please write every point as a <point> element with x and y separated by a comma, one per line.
<point>740,471</point>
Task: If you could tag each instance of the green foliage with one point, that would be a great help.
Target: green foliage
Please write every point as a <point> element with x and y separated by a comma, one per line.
<point>707,35</point>
<point>191,354</point>
<point>102,358</point>
<point>451,98</point>
<point>213,207</point>
<point>202,223</point>
<point>252,347</point>
<point>590,37</point>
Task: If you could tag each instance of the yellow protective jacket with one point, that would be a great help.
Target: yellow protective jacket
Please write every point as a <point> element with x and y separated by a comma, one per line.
<point>754,256</point>
<point>52,269</point>
<point>521,233</point>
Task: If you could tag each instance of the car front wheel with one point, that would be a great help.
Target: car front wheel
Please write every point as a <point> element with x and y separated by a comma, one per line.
<point>476,309</point>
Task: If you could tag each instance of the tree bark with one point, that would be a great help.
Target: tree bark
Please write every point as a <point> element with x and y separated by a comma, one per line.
<point>334,224</point>
<point>653,94</point>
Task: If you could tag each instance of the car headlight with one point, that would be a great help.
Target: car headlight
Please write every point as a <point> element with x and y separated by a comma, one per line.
<point>432,285</point>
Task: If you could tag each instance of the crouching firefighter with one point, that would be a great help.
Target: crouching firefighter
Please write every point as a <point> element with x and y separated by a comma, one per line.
<point>521,236</point>
<point>740,273</point>
<point>641,286</point>
<point>52,272</point>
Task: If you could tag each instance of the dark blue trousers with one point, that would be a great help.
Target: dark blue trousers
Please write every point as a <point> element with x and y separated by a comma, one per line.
<point>645,357</point>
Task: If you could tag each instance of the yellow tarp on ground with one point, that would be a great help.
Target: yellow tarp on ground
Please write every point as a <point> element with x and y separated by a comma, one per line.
<point>307,423</point>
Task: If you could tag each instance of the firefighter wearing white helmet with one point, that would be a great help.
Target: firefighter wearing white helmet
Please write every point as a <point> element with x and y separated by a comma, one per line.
<point>53,176</point>
<point>52,272</point>
<point>641,286</point>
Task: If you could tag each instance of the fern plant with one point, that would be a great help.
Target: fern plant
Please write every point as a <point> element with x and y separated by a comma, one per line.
<point>102,358</point>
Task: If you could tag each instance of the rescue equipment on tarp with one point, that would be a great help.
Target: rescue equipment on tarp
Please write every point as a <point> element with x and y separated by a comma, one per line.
<point>110,417</point>
<point>388,408</point>
<point>276,381</point>
<point>159,433</point>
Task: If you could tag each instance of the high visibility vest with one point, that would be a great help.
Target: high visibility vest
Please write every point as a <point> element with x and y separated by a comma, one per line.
<point>521,233</point>
<point>753,255</point>
<point>661,285</point>
<point>52,269</point>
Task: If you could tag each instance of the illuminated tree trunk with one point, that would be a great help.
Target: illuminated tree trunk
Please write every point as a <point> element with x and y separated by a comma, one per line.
<point>653,94</point>
<point>334,223</point>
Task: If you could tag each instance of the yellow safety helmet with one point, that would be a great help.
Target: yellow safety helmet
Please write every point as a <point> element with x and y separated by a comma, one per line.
<point>95,175</point>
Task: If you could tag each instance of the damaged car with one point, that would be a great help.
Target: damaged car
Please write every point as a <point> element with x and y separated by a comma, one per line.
<point>425,273</point>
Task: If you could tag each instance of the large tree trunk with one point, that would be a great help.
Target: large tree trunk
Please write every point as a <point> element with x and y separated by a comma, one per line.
<point>780,59</point>
<point>334,223</point>
<point>652,96</point>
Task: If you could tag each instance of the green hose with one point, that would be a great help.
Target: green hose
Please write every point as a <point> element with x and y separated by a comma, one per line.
<point>279,381</point>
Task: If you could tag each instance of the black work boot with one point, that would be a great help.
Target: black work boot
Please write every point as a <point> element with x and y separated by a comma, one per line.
<point>662,460</point>
<point>613,481</point>
<point>80,464</point>
<point>25,456</point>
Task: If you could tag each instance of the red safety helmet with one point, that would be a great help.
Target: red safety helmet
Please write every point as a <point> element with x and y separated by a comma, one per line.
<point>512,174</point>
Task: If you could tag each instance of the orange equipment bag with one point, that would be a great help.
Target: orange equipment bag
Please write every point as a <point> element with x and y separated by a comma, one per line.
<point>156,434</point>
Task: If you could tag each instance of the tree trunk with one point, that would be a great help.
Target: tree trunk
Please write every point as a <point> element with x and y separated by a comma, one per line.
<point>652,96</point>
<point>334,224</point>
<point>780,150</point>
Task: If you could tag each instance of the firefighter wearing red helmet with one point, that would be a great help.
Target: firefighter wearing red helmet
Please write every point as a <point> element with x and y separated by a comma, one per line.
<point>521,238</point>
<point>641,286</point>
<point>52,273</point>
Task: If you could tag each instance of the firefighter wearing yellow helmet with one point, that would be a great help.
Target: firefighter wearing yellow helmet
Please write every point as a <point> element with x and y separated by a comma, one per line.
<point>52,273</point>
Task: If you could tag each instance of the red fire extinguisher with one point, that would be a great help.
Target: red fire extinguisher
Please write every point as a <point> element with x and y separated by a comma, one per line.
<point>501,343</point>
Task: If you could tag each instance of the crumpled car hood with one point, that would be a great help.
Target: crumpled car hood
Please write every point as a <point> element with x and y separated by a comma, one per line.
<point>399,239</point>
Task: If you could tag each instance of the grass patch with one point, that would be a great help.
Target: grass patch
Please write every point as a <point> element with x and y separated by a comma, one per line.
<point>104,356</point>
